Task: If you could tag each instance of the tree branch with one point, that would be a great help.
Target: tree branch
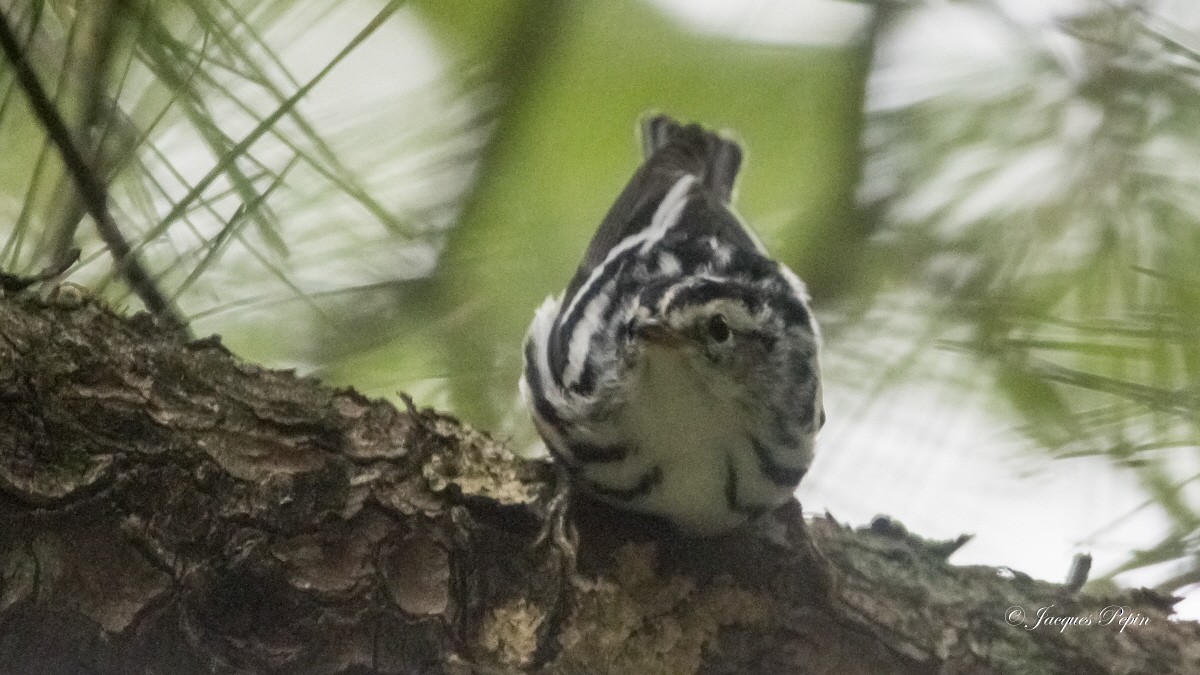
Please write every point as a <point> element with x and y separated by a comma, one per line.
<point>167,508</point>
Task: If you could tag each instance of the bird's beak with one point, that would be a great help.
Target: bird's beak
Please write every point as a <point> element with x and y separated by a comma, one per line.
<point>658,333</point>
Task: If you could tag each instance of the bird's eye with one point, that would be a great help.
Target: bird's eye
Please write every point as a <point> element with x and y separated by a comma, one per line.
<point>718,329</point>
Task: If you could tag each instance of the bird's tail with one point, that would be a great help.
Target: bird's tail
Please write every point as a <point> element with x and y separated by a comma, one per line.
<point>712,158</point>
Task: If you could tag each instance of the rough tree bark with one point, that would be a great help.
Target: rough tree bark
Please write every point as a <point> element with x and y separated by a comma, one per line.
<point>167,508</point>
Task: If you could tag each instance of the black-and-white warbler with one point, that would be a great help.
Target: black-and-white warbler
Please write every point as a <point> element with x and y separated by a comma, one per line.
<point>677,375</point>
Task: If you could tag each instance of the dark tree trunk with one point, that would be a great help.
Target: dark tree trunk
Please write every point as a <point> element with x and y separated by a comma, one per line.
<point>166,508</point>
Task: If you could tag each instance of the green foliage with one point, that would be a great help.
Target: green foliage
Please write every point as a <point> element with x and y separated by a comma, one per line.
<point>1041,190</point>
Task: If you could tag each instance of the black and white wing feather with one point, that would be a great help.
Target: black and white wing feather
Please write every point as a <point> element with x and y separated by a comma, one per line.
<point>672,152</point>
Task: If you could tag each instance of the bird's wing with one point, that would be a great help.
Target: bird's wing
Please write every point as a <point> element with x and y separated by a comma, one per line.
<point>672,152</point>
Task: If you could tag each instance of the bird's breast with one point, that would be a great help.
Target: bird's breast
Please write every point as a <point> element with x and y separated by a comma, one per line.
<point>695,438</point>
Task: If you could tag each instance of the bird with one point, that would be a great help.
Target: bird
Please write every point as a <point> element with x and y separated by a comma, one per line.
<point>678,374</point>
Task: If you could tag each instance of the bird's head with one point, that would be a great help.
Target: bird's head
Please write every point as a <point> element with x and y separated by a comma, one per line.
<point>743,340</point>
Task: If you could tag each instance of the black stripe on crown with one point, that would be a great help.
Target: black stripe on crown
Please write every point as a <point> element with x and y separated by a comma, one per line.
<point>772,291</point>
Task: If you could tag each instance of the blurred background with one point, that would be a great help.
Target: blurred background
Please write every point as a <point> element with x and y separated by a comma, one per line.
<point>994,203</point>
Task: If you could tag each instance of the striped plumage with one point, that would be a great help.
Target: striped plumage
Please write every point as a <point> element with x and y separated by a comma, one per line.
<point>677,375</point>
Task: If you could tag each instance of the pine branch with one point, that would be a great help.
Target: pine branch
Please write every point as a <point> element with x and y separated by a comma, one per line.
<point>92,190</point>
